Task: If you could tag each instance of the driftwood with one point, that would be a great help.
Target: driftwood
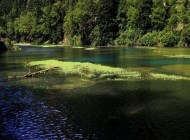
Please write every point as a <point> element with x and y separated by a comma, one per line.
<point>33,74</point>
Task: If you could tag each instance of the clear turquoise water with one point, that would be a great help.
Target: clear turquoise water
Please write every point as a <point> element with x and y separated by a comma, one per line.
<point>105,110</point>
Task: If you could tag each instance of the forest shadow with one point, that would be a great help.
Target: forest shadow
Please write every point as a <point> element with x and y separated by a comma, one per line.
<point>116,113</point>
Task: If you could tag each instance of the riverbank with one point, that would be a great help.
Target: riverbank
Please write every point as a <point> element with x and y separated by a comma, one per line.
<point>51,46</point>
<point>89,47</point>
<point>77,47</point>
<point>39,45</point>
<point>8,47</point>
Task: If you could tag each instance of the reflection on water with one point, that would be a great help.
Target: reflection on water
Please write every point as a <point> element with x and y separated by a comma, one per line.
<point>23,117</point>
<point>53,106</point>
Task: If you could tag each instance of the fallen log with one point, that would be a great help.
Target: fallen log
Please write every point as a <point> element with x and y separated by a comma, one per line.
<point>33,74</point>
<point>39,72</point>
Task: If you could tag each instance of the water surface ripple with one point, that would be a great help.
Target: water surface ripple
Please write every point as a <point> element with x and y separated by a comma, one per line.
<point>24,117</point>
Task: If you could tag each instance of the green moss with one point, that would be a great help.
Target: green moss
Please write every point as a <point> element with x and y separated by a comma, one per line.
<point>87,70</point>
<point>178,56</point>
<point>99,72</point>
<point>159,76</point>
<point>39,45</point>
<point>48,46</point>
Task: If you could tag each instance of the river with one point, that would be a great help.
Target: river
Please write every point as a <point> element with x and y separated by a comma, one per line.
<point>56,106</point>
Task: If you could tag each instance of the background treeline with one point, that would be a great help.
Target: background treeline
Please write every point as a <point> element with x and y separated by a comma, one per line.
<point>97,22</point>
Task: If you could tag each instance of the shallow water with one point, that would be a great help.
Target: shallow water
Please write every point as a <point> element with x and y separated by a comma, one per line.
<point>56,106</point>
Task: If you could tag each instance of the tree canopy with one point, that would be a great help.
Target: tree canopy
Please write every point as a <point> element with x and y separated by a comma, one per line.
<point>97,22</point>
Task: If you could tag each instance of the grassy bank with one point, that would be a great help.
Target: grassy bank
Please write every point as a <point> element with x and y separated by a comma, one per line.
<point>39,45</point>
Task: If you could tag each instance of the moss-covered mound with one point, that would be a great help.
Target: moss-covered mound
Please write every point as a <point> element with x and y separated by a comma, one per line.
<point>87,70</point>
<point>97,71</point>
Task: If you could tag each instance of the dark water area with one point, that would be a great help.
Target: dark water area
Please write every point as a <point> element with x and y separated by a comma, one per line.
<point>106,110</point>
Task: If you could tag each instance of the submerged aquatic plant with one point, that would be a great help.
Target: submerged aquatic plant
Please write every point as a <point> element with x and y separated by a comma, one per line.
<point>97,71</point>
<point>158,76</point>
<point>183,69</point>
<point>87,70</point>
<point>178,56</point>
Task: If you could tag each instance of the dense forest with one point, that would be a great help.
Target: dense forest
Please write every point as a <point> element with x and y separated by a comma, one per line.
<point>162,23</point>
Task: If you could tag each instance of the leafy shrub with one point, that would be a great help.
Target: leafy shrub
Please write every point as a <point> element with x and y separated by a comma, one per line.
<point>95,36</point>
<point>76,41</point>
<point>87,70</point>
<point>149,39</point>
<point>129,37</point>
<point>2,32</point>
<point>123,41</point>
<point>185,37</point>
<point>168,39</point>
<point>7,41</point>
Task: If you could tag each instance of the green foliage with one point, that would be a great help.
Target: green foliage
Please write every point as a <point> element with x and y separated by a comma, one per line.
<point>77,41</point>
<point>95,36</point>
<point>8,42</point>
<point>149,39</point>
<point>2,31</point>
<point>172,22</point>
<point>129,37</point>
<point>144,21</point>
<point>121,15</point>
<point>96,22</point>
<point>169,39</point>
<point>127,15</point>
<point>159,15</point>
<point>133,15</point>
<point>80,22</point>
<point>10,28</point>
<point>107,22</point>
<point>25,26</point>
<point>185,37</point>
